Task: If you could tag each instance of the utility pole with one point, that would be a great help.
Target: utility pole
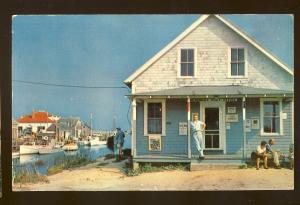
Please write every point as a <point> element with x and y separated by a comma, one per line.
<point>114,122</point>
<point>91,124</point>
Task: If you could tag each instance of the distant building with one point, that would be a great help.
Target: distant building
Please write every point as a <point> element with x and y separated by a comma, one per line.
<point>38,121</point>
<point>72,127</point>
<point>14,131</point>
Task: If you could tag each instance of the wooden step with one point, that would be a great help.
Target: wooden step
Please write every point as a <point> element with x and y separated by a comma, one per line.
<point>197,165</point>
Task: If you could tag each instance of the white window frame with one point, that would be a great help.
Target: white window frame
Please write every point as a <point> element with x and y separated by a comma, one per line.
<point>179,62</point>
<point>163,103</point>
<point>245,59</point>
<point>262,133</point>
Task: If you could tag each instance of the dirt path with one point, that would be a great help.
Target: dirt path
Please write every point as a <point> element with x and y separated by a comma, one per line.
<point>109,177</point>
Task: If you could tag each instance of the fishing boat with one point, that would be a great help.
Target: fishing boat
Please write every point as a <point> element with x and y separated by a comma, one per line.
<point>29,149</point>
<point>58,145</point>
<point>49,150</point>
<point>96,142</point>
<point>70,147</point>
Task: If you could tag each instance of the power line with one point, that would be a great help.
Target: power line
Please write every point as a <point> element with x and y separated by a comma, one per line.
<point>70,86</point>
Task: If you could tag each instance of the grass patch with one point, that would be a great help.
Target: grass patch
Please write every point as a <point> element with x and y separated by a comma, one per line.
<point>155,167</point>
<point>26,175</point>
<point>69,162</point>
<point>54,170</point>
<point>243,166</point>
<point>102,164</point>
<point>109,156</point>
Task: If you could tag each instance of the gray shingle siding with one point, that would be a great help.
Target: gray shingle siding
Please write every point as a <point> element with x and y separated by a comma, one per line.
<point>213,40</point>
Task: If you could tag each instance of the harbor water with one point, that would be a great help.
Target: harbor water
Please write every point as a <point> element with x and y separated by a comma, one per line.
<point>42,162</point>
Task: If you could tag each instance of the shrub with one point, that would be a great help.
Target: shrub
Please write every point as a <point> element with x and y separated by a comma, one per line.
<point>148,167</point>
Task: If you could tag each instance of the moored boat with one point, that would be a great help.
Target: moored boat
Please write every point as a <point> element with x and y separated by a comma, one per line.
<point>29,149</point>
<point>70,147</point>
<point>96,141</point>
<point>87,142</point>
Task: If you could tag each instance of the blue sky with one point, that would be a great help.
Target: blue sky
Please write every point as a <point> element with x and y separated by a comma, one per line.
<point>103,50</point>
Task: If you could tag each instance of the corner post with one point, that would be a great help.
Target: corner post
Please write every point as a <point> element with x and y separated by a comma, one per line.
<point>244,126</point>
<point>133,128</point>
<point>189,126</point>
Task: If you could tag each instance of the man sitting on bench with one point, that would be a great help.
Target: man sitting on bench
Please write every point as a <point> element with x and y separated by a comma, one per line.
<point>273,152</point>
<point>261,154</point>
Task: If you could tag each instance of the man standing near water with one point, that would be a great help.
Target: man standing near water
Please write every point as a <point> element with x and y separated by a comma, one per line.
<point>118,143</point>
<point>197,129</point>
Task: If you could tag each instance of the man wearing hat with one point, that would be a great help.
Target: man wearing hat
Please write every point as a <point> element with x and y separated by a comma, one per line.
<point>118,143</point>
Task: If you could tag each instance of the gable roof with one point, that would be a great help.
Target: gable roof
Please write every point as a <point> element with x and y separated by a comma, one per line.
<point>36,117</point>
<point>189,30</point>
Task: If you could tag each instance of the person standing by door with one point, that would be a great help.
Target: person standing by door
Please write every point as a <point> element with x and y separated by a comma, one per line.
<point>197,129</point>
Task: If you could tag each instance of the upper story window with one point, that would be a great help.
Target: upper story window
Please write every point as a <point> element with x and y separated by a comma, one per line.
<point>187,62</point>
<point>237,67</point>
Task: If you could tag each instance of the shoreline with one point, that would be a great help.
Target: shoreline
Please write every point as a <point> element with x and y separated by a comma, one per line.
<point>107,175</point>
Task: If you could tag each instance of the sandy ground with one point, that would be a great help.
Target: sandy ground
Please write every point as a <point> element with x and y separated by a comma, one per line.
<point>110,177</point>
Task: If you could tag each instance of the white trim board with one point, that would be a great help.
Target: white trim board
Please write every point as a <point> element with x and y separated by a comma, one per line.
<point>158,55</point>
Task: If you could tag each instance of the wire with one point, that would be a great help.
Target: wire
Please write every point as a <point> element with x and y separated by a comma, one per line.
<point>71,86</point>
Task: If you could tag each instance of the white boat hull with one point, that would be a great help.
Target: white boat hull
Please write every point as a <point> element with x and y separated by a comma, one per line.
<point>29,149</point>
<point>49,150</point>
<point>97,142</point>
<point>87,143</point>
<point>70,147</point>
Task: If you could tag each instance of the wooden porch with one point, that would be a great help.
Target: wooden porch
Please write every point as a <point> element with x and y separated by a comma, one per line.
<point>184,158</point>
<point>210,162</point>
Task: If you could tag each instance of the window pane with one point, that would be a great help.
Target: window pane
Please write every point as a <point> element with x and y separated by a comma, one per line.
<point>208,141</point>
<point>154,110</point>
<point>216,141</point>
<point>267,124</point>
<point>184,69</point>
<point>154,126</point>
<point>154,118</point>
<point>241,70</point>
<point>183,55</point>
<point>190,55</point>
<point>276,124</point>
<point>233,55</point>
<point>190,71</point>
<point>271,108</point>
<point>241,54</point>
<point>234,69</point>
<point>212,118</point>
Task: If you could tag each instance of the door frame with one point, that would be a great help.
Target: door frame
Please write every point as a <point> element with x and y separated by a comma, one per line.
<point>222,131</point>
